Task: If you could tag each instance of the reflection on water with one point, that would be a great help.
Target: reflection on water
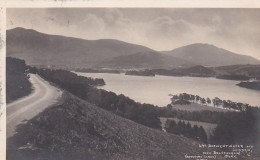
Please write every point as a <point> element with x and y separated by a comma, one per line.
<point>156,90</point>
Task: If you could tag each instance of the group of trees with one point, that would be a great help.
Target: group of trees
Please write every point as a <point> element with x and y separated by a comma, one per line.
<point>140,73</point>
<point>232,127</point>
<point>17,83</point>
<point>238,128</point>
<point>190,98</point>
<point>185,129</point>
<point>90,70</point>
<point>69,77</point>
<point>216,102</point>
<point>195,71</point>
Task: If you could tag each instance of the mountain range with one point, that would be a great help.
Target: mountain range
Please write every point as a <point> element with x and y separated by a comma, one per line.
<point>59,51</point>
<point>210,55</point>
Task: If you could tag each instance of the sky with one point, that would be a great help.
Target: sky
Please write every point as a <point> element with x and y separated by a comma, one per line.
<point>237,30</point>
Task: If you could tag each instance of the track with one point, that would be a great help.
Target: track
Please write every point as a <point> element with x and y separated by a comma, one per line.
<point>43,95</point>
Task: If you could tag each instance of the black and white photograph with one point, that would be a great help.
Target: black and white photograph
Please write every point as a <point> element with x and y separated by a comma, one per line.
<point>114,83</point>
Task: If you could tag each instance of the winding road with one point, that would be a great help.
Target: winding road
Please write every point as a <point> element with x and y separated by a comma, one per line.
<point>25,108</point>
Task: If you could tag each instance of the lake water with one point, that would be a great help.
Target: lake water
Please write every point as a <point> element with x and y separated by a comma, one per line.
<point>156,90</point>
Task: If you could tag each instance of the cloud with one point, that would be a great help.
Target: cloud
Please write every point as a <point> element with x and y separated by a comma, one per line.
<point>167,27</point>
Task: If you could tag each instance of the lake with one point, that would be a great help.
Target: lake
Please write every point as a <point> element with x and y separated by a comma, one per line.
<point>156,90</point>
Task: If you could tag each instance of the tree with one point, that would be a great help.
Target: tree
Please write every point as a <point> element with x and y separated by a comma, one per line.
<point>203,101</point>
<point>197,98</point>
<point>170,126</point>
<point>192,97</point>
<point>202,134</point>
<point>208,101</point>
<point>174,98</point>
<point>189,130</point>
<point>238,128</point>
<point>217,101</point>
<point>195,132</point>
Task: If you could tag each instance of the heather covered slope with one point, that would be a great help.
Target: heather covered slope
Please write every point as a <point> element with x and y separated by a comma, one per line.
<point>75,129</point>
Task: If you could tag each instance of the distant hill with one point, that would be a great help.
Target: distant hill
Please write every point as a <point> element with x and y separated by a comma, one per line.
<point>66,52</point>
<point>252,71</point>
<point>250,85</point>
<point>146,60</point>
<point>53,50</point>
<point>199,70</point>
<point>194,71</point>
<point>43,49</point>
<point>210,55</point>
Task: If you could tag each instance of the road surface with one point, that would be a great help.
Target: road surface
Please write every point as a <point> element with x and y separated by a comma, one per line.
<point>43,95</point>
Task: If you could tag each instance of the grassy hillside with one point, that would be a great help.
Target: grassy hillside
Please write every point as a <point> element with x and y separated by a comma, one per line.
<point>76,129</point>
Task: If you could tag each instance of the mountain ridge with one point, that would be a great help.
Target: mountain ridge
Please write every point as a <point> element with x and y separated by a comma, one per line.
<point>210,55</point>
<point>69,52</point>
<point>24,44</point>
